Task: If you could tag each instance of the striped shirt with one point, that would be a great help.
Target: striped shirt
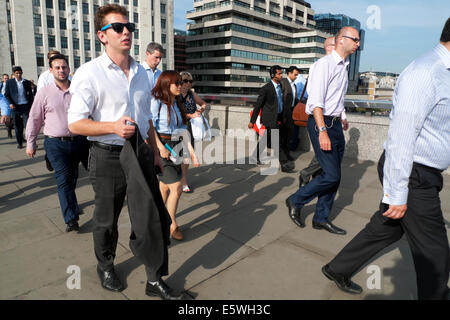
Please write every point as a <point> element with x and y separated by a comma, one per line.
<point>419,128</point>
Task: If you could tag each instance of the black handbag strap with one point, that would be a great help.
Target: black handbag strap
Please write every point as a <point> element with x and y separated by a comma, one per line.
<point>304,90</point>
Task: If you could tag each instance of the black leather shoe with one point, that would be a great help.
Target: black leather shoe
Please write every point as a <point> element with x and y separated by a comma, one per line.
<point>302,181</point>
<point>161,289</point>
<point>295,214</point>
<point>19,146</point>
<point>343,283</point>
<point>287,167</point>
<point>109,280</point>
<point>329,227</point>
<point>72,226</point>
<point>289,157</point>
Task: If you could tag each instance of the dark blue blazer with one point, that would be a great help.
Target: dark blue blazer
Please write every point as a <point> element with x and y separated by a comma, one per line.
<point>12,93</point>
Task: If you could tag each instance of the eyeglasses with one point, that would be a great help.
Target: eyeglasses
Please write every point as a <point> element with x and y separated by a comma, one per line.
<point>356,40</point>
<point>186,81</point>
<point>178,83</point>
<point>118,27</point>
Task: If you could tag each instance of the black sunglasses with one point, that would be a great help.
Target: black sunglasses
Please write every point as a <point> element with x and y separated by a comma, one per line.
<point>118,27</point>
<point>356,40</point>
<point>178,83</point>
<point>186,81</point>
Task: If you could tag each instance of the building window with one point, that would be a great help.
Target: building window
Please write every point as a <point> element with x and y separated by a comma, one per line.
<point>163,23</point>
<point>98,46</point>
<point>64,42</point>
<point>87,44</point>
<point>51,41</point>
<point>86,26</point>
<point>38,40</point>
<point>125,2</point>
<point>135,3</point>
<point>63,23</point>
<point>163,8</point>
<point>76,43</point>
<point>50,22</point>
<point>87,57</point>
<point>36,3</point>
<point>136,50</point>
<point>62,5</point>
<point>76,62</point>
<point>40,60</point>
<point>49,4</point>
<point>163,38</point>
<point>37,20</point>
<point>136,17</point>
<point>136,34</point>
<point>85,8</point>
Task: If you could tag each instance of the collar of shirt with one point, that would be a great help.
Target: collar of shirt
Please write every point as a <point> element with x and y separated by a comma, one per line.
<point>21,81</point>
<point>338,59</point>
<point>60,89</point>
<point>108,63</point>
<point>276,85</point>
<point>147,68</point>
<point>444,54</point>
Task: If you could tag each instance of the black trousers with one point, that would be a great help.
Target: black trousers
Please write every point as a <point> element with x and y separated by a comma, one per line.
<point>424,227</point>
<point>20,118</point>
<point>110,186</point>
<point>284,136</point>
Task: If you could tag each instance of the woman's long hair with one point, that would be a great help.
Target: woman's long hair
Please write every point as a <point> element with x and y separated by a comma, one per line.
<point>161,92</point>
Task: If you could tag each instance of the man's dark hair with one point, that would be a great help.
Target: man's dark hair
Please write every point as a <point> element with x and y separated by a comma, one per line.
<point>292,69</point>
<point>103,11</point>
<point>5,74</point>
<point>445,37</point>
<point>57,57</point>
<point>17,68</point>
<point>273,70</point>
<point>152,46</point>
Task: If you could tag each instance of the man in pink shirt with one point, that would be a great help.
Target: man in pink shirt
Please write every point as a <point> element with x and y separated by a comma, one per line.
<point>64,150</point>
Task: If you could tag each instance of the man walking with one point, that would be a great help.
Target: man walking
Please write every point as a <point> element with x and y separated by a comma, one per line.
<point>7,121</point>
<point>289,90</point>
<point>417,150</point>
<point>20,96</point>
<point>154,55</point>
<point>64,150</point>
<point>274,115</point>
<point>46,77</point>
<point>326,90</point>
<point>313,169</point>
<point>110,99</point>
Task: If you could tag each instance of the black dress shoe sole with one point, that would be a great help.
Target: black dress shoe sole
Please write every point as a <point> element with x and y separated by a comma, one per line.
<point>347,290</point>
<point>296,220</point>
<point>116,289</point>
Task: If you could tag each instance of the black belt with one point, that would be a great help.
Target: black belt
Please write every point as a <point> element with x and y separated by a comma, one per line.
<point>73,138</point>
<point>325,117</point>
<point>109,147</point>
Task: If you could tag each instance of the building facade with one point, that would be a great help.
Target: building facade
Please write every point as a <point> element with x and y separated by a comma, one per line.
<point>180,50</point>
<point>332,23</point>
<point>232,43</point>
<point>30,28</point>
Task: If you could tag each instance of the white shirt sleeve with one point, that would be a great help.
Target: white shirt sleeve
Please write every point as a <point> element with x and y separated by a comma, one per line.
<point>83,97</point>
<point>317,86</point>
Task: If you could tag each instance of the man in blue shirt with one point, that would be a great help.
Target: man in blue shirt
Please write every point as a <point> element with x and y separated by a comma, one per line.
<point>417,150</point>
<point>154,55</point>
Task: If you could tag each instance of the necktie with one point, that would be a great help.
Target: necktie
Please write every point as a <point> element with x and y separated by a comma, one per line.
<point>295,95</point>
<point>280,100</point>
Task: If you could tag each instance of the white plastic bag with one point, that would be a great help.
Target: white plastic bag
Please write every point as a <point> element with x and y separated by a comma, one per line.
<point>200,129</point>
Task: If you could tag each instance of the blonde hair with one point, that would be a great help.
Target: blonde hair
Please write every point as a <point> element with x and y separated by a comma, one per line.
<point>185,74</point>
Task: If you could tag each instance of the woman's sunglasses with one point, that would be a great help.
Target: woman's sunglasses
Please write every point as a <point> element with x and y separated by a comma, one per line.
<point>186,81</point>
<point>118,27</point>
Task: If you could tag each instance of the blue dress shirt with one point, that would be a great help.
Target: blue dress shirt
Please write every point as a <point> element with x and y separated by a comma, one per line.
<point>419,128</point>
<point>160,118</point>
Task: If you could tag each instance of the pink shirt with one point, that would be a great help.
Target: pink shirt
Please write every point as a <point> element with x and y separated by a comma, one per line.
<point>49,108</point>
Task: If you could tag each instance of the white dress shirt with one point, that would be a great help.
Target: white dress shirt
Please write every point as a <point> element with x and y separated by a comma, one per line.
<point>21,92</point>
<point>46,78</point>
<point>101,91</point>
<point>419,129</point>
<point>327,85</point>
<point>152,76</point>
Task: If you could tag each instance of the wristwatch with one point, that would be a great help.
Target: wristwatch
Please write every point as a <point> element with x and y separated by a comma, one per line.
<point>322,129</point>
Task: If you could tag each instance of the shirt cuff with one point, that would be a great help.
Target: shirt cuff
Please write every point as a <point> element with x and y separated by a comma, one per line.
<point>395,198</point>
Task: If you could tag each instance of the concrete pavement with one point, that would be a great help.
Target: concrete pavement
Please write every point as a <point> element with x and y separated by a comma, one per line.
<point>239,241</point>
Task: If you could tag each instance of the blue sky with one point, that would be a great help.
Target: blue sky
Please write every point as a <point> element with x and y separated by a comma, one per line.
<point>408,28</point>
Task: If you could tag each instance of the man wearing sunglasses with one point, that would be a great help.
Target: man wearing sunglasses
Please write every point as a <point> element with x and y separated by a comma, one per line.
<point>328,82</point>
<point>153,57</point>
<point>110,99</point>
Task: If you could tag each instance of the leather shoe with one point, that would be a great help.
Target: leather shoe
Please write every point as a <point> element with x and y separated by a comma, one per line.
<point>72,226</point>
<point>343,283</point>
<point>295,214</point>
<point>289,157</point>
<point>109,280</point>
<point>287,167</point>
<point>161,289</point>
<point>19,146</point>
<point>302,181</point>
<point>329,227</point>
